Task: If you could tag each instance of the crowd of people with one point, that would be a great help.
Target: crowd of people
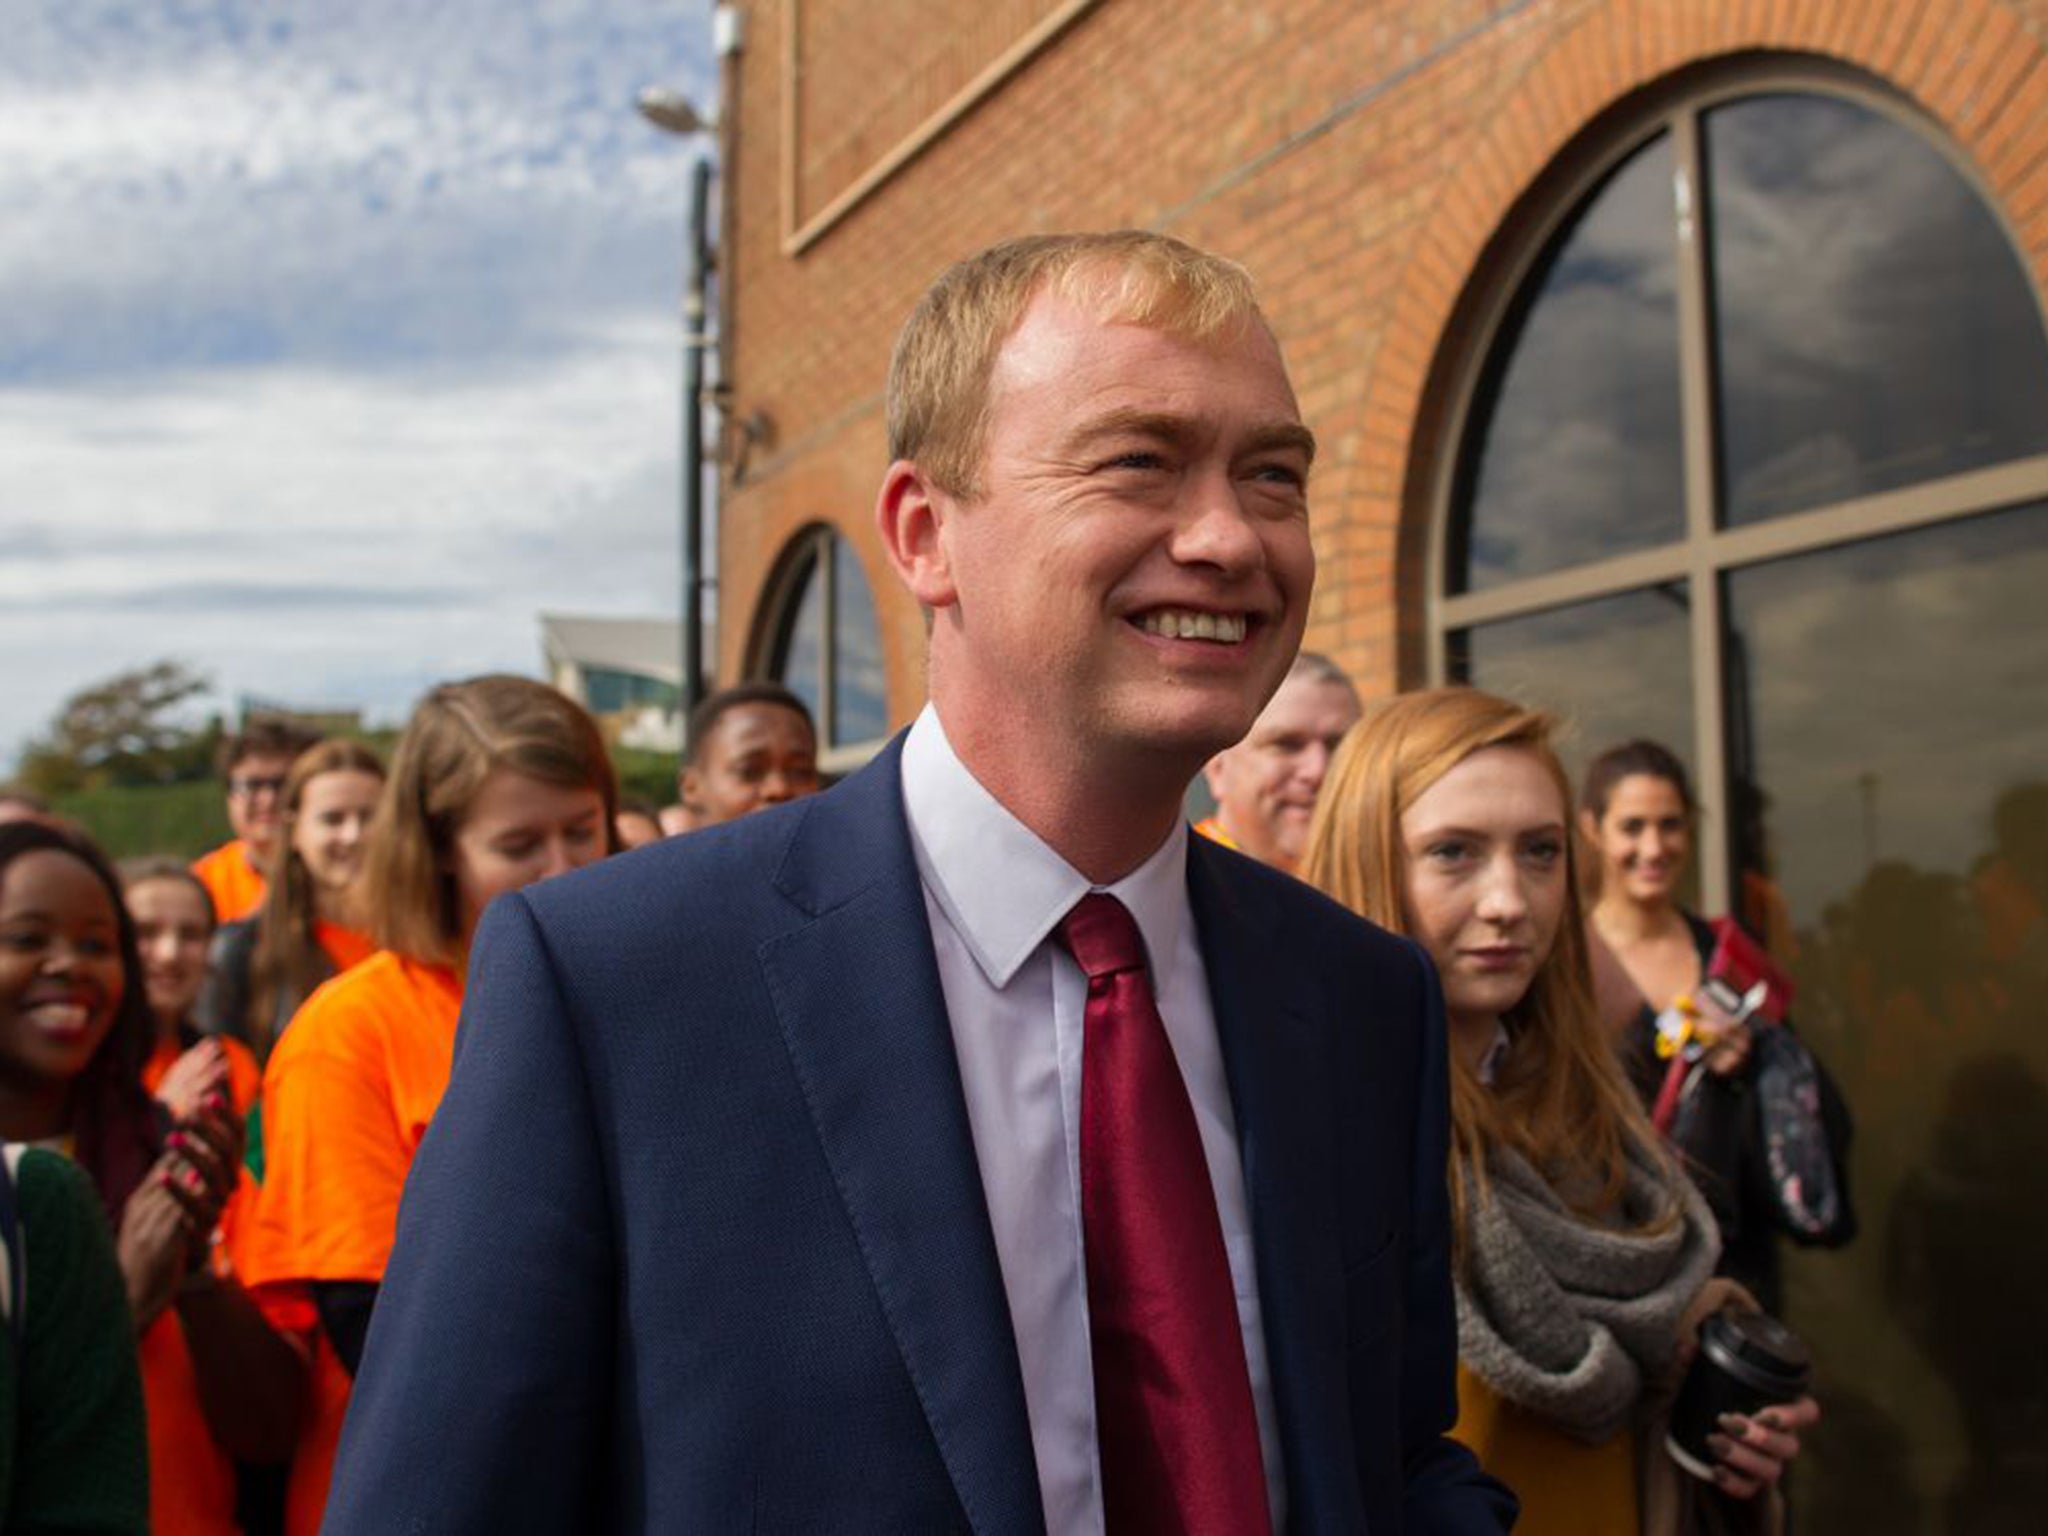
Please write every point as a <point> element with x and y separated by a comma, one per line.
<point>744,1133</point>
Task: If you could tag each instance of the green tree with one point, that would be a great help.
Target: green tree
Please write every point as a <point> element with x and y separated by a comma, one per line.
<point>128,730</point>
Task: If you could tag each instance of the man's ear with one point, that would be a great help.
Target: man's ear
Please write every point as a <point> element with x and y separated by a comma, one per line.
<point>690,789</point>
<point>913,515</point>
<point>1589,827</point>
<point>1212,775</point>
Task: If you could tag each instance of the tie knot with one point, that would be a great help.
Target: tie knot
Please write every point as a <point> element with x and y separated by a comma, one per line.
<point>1102,936</point>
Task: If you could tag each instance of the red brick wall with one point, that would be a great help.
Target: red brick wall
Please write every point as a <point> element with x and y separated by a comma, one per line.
<point>1357,157</point>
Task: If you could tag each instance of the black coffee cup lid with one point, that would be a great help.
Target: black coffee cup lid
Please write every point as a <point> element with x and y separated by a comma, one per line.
<point>1755,1347</point>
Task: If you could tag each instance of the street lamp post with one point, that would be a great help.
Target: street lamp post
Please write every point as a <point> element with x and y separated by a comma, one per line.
<point>672,113</point>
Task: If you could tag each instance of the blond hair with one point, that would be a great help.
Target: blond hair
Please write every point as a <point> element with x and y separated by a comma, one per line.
<point>945,357</point>
<point>1560,1099</point>
<point>459,735</point>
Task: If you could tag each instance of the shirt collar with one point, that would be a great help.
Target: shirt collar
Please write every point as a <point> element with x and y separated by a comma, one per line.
<point>999,883</point>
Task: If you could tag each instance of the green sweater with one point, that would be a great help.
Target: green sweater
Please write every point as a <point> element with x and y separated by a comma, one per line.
<point>74,1454</point>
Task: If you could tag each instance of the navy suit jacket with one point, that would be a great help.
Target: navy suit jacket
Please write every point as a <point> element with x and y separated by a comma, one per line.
<point>697,1240</point>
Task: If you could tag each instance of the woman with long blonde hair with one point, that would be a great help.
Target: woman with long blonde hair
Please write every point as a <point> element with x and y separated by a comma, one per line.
<point>498,782</point>
<point>1582,1255</point>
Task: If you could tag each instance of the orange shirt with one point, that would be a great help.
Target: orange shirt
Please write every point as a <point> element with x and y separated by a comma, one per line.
<point>1212,829</point>
<point>191,1479</point>
<point>231,879</point>
<point>346,947</point>
<point>245,1078</point>
<point>346,1099</point>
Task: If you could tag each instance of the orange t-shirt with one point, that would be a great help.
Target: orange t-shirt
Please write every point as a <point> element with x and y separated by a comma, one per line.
<point>231,879</point>
<point>1212,829</point>
<point>346,1099</point>
<point>346,947</point>
<point>191,1479</point>
<point>245,1078</point>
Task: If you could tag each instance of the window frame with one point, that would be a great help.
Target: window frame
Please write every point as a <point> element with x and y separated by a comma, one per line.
<point>1707,554</point>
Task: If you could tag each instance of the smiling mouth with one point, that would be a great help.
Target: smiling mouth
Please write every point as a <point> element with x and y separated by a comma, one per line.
<point>1188,624</point>
<point>64,1018</point>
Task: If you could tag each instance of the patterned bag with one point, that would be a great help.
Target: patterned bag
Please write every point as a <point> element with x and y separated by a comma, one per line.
<point>1810,1198</point>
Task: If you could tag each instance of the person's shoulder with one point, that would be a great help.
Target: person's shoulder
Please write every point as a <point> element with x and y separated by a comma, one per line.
<point>347,1011</point>
<point>701,876</point>
<point>1307,918</point>
<point>50,1188</point>
<point>235,942</point>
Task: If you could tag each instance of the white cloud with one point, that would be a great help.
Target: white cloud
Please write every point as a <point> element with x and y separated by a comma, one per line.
<point>292,532</point>
<point>335,341</point>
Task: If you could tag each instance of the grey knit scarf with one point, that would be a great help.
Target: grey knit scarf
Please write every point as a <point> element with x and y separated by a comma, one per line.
<point>1572,1321</point>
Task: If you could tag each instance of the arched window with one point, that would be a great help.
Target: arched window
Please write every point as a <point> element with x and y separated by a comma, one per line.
<point>824,645</point>
<point>1753,458</point>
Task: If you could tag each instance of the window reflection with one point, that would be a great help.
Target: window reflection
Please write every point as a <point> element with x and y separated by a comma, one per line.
<point>829,651</point>
<point>860,710</point>
<point>1873,327</point>
<point>1609,670</point>
<point>1579,452</point>
<point>801,668</point>
<point>1898,756</point>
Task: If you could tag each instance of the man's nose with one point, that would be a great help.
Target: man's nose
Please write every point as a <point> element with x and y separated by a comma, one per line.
<point>1215,529</point>
<point>1312,764</point>
<point>778,786</point>
<point>556,860</point>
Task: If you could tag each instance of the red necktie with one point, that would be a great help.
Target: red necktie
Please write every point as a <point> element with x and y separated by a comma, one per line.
<point>1174,1420</point>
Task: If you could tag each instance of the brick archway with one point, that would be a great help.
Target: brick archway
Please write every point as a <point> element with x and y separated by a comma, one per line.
<point>1983,79</point>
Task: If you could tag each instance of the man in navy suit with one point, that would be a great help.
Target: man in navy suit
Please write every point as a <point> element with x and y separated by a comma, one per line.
<point>759,1194</point>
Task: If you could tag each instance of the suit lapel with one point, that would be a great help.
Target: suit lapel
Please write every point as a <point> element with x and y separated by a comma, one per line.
<point>856,992</point>
<point>1276,1058</point>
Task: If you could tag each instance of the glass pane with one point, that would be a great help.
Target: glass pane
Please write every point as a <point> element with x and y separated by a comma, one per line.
<point>1896,740</point>
<point>1609,670</point>
<point>1577,452</point>
<point>1874,330</point>
<point>860,710</point>
<point>800,667</point>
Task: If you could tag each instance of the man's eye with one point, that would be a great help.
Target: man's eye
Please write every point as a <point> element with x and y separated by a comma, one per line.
<point>1281,474</point>
<point>1546,850</point>
<point>1138,459</point>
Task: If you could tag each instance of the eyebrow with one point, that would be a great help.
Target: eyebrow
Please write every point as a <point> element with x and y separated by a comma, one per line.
<point>1457,831</point>
<point>45,915</point>
<point>1172,428</point>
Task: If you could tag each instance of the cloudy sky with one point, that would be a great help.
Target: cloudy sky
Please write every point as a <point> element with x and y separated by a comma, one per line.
<point>337,337</point>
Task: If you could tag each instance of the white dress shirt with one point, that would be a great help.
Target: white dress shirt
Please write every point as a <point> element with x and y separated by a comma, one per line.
<point>994,893</point>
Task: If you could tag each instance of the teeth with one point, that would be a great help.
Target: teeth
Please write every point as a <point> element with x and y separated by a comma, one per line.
<point>64,1016</point>
<point>1184,624</point>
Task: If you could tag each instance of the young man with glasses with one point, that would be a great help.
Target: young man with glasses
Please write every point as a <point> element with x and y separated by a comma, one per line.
<point>254,762</point>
